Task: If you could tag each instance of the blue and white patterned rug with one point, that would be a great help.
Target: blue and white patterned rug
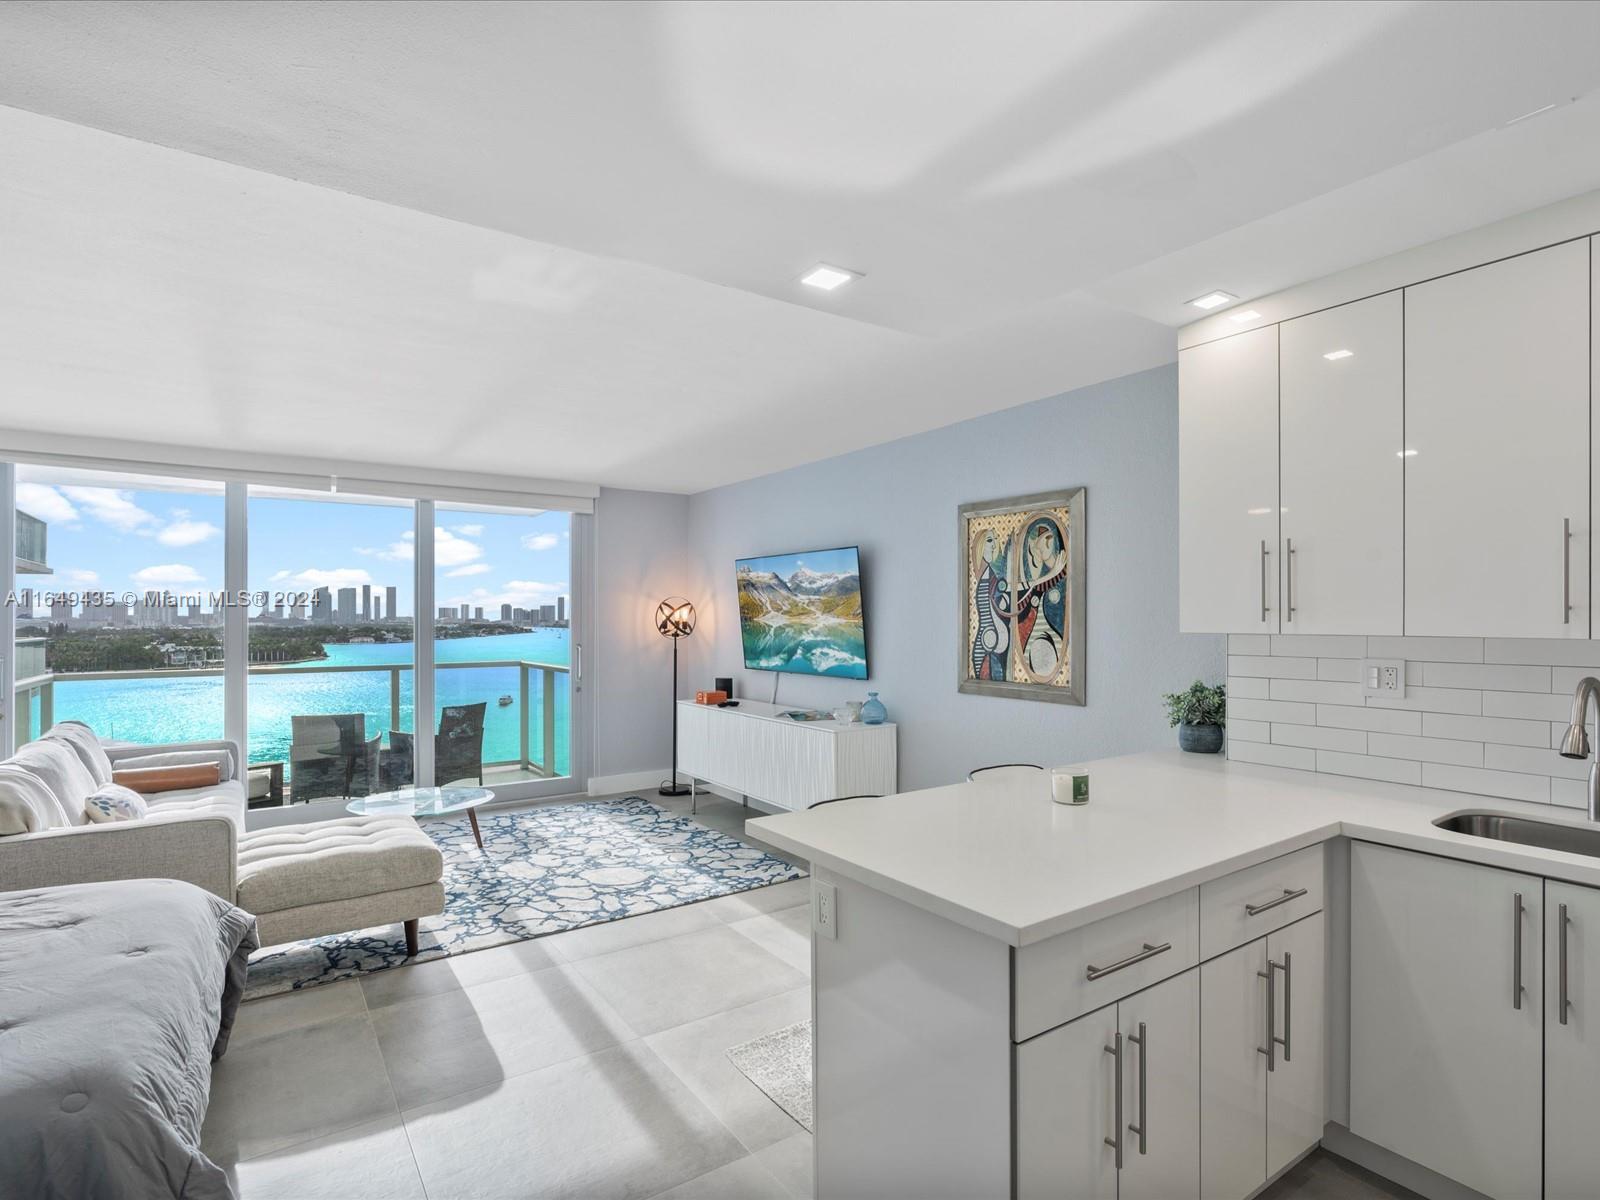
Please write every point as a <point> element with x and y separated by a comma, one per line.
<point>542,870</point>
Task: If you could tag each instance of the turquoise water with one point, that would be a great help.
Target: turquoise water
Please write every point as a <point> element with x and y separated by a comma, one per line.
<point>181,710</point>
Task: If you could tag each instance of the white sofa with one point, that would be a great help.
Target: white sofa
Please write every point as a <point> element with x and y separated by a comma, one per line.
<point>299,881</point>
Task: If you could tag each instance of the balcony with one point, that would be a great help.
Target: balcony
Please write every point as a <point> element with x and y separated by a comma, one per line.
<point>537,703</point>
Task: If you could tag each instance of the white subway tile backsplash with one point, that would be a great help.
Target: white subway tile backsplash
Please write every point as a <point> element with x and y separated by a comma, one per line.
<point>1320,737</point>
<point>1495,678</point>
<point>1467,701</point>
<point>1484,729</point>
<point>1273,756</point>
<point>1429,649</point>
<point>1316,691</point>
<point>1272,668</point>
<point>1480,715</point>
<point>1425,749</point>
<point>1319,645</point>
<point>1486,783</point>
<point>1365,766</point>
<point>1380,719</point>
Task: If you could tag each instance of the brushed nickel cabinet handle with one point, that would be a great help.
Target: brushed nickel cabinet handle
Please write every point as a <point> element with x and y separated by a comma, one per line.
<point>1289,894</point>
<point>1116,1142</point>
<point>1566,570</point>
<point>1149,951</point>
<point>1562,1003</point>
<point>1141,1040</point>
<point>1271,1048</point>
<point>1288,1002</point>
<point>1264,608</point>
<point>1288,578</point>
<point>1516,951</point>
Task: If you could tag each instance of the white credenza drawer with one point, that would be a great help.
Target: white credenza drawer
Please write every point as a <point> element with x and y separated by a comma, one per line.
<point>1083,969</point>
<point>1251,903</point>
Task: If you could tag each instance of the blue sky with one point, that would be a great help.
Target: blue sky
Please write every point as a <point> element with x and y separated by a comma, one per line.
<point>130,538</point>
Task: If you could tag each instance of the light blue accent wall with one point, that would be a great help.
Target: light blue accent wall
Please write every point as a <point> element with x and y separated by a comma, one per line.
<point>898,502</point>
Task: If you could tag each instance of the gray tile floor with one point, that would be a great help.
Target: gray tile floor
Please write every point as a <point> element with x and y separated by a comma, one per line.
<point>586,1064</point>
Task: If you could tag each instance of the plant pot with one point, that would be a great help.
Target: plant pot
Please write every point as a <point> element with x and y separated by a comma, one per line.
<point>1200,739</point>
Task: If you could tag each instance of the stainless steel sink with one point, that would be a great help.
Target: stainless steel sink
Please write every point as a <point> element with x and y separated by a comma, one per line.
<point>1574,839</point>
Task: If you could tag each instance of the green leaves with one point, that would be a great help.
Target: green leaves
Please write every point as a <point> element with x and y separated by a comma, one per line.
<point>1200,704</point>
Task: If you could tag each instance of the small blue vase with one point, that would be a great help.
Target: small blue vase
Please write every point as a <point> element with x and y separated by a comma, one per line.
<point>873,711</point>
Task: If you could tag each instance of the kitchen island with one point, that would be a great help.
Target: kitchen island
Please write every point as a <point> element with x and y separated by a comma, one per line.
<point>988,959</point>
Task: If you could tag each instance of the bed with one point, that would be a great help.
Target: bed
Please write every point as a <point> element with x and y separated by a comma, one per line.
<point>115,999</point>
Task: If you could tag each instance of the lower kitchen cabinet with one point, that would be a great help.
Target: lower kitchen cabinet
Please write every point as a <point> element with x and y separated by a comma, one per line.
<point>1446,1001</point>
<point>1107,1105</point>
<point>1571,1041</point>
<point>1263,1058</point>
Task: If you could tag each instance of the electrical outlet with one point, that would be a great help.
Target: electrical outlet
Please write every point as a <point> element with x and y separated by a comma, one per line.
<point>824,910</point>
<point>1383,677</point>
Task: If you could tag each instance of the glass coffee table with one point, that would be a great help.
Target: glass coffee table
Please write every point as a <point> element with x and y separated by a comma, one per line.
<point>424,802</point>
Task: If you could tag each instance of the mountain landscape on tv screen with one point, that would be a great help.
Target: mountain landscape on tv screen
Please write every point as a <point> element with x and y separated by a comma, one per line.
<point>802,618</point>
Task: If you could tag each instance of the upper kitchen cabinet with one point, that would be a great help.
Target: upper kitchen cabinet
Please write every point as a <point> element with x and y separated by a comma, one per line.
<point>1228,485</point>
<point>1342,408</point>
<point>1497,449</point>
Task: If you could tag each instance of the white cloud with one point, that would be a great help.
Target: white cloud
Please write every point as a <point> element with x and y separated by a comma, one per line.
<point>167,573</point>
<point>338,577</point>
<point>540,541</point>
<point>185,532</point>
<point>449,549</point>
<point>46,503</point>
<point>468,530</point>
<point>469,569</point>
<point>79,575</point>
<point>111,506</point>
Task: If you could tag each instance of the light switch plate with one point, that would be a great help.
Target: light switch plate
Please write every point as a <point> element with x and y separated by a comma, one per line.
<point>824,910</point>
<point>1384,677</point>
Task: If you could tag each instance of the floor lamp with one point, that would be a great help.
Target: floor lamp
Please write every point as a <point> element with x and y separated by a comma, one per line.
<point>675,620</point>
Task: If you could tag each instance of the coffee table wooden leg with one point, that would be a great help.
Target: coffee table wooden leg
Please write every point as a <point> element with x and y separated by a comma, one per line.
<point>472,815</point>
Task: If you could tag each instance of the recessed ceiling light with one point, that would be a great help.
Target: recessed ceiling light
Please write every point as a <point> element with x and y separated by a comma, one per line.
<point>1405,453</point>
<point>1527,115</point>
<point>1248,314</point>
<point>1213,300</point>
<point>827,278</point>
<point>1336,355</point>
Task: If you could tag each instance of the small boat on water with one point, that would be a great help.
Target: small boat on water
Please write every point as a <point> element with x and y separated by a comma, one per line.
<point>505,701</point>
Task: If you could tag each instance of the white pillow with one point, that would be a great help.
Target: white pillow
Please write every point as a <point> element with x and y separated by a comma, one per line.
<point>85,745</point>
<point>221,759</point>
<point>58,766</point>
<point>113,802</point>
<point>26,804</point>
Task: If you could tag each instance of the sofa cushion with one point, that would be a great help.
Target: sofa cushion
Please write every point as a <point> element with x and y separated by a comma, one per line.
<point>291,866</point>
<point>219,800</point>
<point>86,745</point>
<point>59,768</point>
<point>26,804</point>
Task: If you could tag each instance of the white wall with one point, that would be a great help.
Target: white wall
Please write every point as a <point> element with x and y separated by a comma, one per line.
<point>641,551</point>
<point>898,503</point>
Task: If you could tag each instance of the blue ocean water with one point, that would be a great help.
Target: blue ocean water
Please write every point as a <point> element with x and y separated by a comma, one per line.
<point>180,710</point>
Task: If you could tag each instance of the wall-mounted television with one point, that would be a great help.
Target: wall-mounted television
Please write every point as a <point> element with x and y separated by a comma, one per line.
<point>802,613</point>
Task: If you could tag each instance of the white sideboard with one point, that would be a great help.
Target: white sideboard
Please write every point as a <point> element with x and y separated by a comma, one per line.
<point>758,752</point>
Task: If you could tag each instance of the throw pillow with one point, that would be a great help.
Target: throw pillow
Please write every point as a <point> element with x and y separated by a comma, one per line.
<point>150,780</point>
<point>113,802</point>
<point>177,758</point>
<point>26,804</point>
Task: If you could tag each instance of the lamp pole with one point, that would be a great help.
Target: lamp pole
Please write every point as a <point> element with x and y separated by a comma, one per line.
<point>675,619</point>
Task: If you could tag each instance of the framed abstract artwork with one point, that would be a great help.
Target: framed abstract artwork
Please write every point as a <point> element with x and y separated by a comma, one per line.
<point>1022,596</point>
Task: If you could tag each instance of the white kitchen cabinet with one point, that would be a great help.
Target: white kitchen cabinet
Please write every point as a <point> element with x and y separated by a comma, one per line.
<point>1342,409</point>
<point>1497,469</point>
<point>1260,1112</point>
<point>1571,1042</point>
<point>1446,997</point>
<point>1069,1137</point>
<point>1228,485</point>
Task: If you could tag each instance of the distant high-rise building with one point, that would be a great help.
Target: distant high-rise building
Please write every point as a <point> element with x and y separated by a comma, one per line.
<point>322,605</point>
<point>505,613</point>
<point>377,609</point>
<point>297,612</point>
<point>391,608</point>
<point>366,602</point>
<point>60,611</point>
<point>561,608</point>
<point>194,614</point>
<point>477,614</point>
<point>446,613</point>
<point>347,605</point>
<point>520,616</point>
<point>547,613</point>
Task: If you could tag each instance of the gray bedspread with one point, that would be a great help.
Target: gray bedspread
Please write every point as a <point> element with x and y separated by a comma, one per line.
<point>115,998</point>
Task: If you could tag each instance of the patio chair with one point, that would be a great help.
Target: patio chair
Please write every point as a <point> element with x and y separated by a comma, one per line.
<point>457,749</point>
<point>330,755</point>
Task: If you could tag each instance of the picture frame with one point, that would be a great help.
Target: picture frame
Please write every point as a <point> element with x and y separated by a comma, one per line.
<point>1021,574</point>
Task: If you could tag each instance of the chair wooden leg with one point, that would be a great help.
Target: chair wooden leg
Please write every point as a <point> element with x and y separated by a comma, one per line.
<point>411,938</point>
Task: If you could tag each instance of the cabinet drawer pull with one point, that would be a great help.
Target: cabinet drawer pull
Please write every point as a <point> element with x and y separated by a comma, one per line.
<point>1264,608</point>
<point>1516,951</point>
<point>1271,1048</point>
<point>1149,951</point>
<point>1288,578</point>
<point>1141,1040</point>
<point>1566,570</point>
<point>1562,1003</point>
<point>1116,1142</point>
<point>1288,1001</point>
<point>1289,894</point>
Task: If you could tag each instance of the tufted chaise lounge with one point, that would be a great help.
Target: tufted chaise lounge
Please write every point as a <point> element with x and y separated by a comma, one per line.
<point>304,881</point>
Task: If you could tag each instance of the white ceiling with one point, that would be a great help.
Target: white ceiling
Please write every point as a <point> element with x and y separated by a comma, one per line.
<point>569,234</point>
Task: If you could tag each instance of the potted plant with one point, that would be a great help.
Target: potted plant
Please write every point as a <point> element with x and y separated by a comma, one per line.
<point>1200,713</point>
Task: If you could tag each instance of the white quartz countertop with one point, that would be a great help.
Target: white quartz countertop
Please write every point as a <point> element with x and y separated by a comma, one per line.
<point>1002,858</point>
